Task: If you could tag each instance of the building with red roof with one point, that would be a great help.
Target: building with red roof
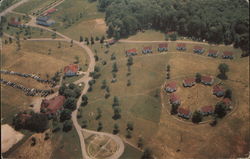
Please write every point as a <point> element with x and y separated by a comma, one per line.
<point>198,49</point>
<point>131,52</point>
<point>181,47</point>
<point>50,11</point>
<point>52,106</point>
<point>218,91</point>
<point>213,53</point>
<point>207,80</point>
<point>14,22</point>
<point>227,55</point>
<point>71,70</point>
<point>207,110</point>
<point>174,99</point>
<point>227,102</point>
<point>184,112</point>
<point>189,82</point>
<point>147,49</point>
<point>163,47</point>
<point>170,87</point>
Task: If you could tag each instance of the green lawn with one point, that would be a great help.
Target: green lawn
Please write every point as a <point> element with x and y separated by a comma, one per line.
<point>131,153</point>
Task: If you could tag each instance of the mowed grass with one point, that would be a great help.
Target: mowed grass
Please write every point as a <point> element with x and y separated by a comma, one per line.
<point>131,153</point>
<point>148,35</point>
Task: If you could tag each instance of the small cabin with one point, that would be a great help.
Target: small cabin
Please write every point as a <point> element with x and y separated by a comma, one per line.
<point>163,47</point>
<point>170,87</point>
<point>189,82</point>
<point>212,53</point>
<point>184,113</point>
<point>218,91</point>
<point>207,110</point>
<point>14,22</point>
<point>181,47</point>
<point>147,50</point>
<point>174,99</point>
<point>207,80</point>
<point>131,52</point>
<point>198,49</point>
<point>71,70</point>
<point>227,55</point>
<point>45,21</point>
<point>50,11</point>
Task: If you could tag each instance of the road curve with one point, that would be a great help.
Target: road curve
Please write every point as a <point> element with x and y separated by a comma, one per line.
<point>3,13</point>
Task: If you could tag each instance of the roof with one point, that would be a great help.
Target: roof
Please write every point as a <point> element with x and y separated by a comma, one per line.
<point>181,45</point>
<point>206,79</point>
<point>174,97</point>
<point>184,111</point>
<point>163,45</point>
<point>214,52</point>
<point>53,104</point>
<point>217,88</point>
<point>171,85</point>
<point>226,101</point>
<point>71,67</point>
<point>42,18</point>
<point>170,32</point>
<point>189,80</point>
<point>207,109</point>
<point>147,48</point>
<point>51,10</point>
<point>131,50</point>
<point>198,47</point>
<point>227,53</point>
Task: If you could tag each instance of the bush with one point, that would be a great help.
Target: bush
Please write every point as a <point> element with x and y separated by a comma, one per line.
<point>67,126</point>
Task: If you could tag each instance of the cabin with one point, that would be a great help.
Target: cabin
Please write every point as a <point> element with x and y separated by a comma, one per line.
<point>189,82</point>
<point>45,21</point>
<point>71,70</point>
<point>198,50</point>
<point>147,50</point>
<point>14,22</point>
<point>227,55</point>
<point>174,99</point>
<point>163,47</point>
<point>131,52</point>
<point>218,91</point>
<point>207,80</point>
<point>50,11</point>
<point>52,106</point>
<point>207,110</point>
<point>227,102</point>
<point>212,53</point>
<point>170,87</point>
<point>184,113</point>
<point>181,47</point>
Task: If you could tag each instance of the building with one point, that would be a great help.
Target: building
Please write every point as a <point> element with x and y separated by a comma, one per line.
<point>170,87</point>
<point>112,41</point>
<point>50,11</point>
<point>174,99</point>
<point>52,106</point>
<point>218,91</point>
<point>189,82</point>
<point>181,47</point>
<point>71,70</point>
<point>147,50</point>
<point>207,80</point>
<point>184,113</point>
<point>163,47</point>
<point>14,22</point>
<point>131,52</point>
<point>207,110</point>
<point>227,102</point>
<point>198,49</point>
<point>45,21</point>
<point>227,55</point>
<point>213,53</point>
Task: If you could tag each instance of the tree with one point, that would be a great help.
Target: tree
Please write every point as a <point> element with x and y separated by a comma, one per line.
<point>129,134</point>
<point>147,154</point>
<point>130,61</point>
<point>116,129</point>
<point>84,100</point>
<point>99,113</point>
<point>65,115</point>
<point>228,94</point>
<point>70,104</point>
<point>33,141</point>
<point>173,36</point>
<point>100,126</point>
<point>197,117</point>
<point>113,57</point>
<point>130,126</point>
<point>72,86</point>
<point>220,110</point>
<point>10,40</point>
<point>102,39</point>
<point>114,67</point>
<point>129,83</point>
<point>174,109</point>
<point>223,68</point>
<point>198,77</point>
<point>117,114</point>
<point>97,38</point>
<point>104,84</point>
<point>38,122</point>
<point>62,89</point>
<point>140,143</point>
<point>92,40</point>
<point>76,59</point>
<point>84,123</point>
<point>81,39</point>
<point>59,45</point>
<point>115,101</point>
<point>67,126</point>
<point>46,136</point>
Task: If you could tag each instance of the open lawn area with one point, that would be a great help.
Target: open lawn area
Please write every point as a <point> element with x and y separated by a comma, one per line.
<point>148,35</point>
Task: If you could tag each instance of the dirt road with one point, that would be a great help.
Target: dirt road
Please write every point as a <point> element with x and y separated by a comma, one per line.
<point>3,13</point>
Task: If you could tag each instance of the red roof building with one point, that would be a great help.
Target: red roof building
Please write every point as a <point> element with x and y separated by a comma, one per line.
<point>163,45</point>
<point>51,106</point>
<point>213,53</point>
<point>227,101</point>
<point>147,49</point>
<point>189,82</point>
<point>52,10</point>
<point>171,87</point>
<point>227,55</point>
<point>181,45</point>
<point>207,80</point>
<point>71,70</point>
<point>206,110</point>
<point>131,52</point>
<point>218,91</point>
<point>14,22</point>
<point>174,99</point>
<point>198,48</point>
<point>184,112</point>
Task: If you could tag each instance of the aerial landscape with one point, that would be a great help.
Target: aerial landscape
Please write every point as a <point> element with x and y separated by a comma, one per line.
<point>124,79</point>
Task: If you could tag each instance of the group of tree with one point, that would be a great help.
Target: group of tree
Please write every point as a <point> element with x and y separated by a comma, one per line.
<point>168,71</point>
<point>223,68</point>
<point>129,129</point>
<point>116,108</point>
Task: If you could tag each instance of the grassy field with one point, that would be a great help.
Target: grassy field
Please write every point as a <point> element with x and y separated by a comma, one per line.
<point>148,35</point>
<point>131,153</point>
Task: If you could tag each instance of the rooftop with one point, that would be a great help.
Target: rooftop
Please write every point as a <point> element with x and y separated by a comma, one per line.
<point>71,67</point>
<point>184,111</point>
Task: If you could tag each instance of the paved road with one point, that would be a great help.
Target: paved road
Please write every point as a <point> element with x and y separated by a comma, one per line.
<point>3,13</point>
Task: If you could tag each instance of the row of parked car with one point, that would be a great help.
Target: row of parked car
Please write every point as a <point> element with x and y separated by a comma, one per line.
<point>37,78</point>
<point>28,91</point>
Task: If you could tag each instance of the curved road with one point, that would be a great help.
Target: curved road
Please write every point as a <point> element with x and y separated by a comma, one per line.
<point>3,13</point>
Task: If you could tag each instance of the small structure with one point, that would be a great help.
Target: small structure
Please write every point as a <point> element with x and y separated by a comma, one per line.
<point>52,106</point>
<point>131,52</point>
<point>45,21</point>
<point>147,50</point>
<point>227,55</point>
<point>218,91</point>
<point>181,47</point>
<point>227,102</point>
<point>14,22</point>
<point>174,99</point>
<point>184,113</point>
<point>189,82</point>
<point>207,110</point>
<point>163,47</point>
<point>198,49</point>
<point>50,11</point>
<point>213,53</point>
<point>170,87</point>
<point>71,70</point>
<point>112,41</point>
<point>207,80</point>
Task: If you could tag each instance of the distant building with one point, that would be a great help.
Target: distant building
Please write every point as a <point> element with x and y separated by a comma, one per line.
<point>170,87</point>
<point>227,102</point>
<point>14,22</point>
<point>184,113</point>
<point>198,49</point>
<point>112,41</point>
<point>218,91</point>
<point>181,47</point>
<point>207,110</point>
<point>163,47</point>
<point>71,70</point>
<point>213,53</point>
<point>45,21</point>
<point>50,11</point>
<point>207,80</point>
<point>147,50</point>
<point>131,52</point>
<point>227,55</point>
<point>174,99</point>
<point>189,82</point>
<point>52,106</point>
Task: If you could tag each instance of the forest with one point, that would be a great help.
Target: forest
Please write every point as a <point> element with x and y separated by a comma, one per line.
<point>225,21</point>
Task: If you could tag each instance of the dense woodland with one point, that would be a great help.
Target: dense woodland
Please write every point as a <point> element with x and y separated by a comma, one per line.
<point>224,21</point>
